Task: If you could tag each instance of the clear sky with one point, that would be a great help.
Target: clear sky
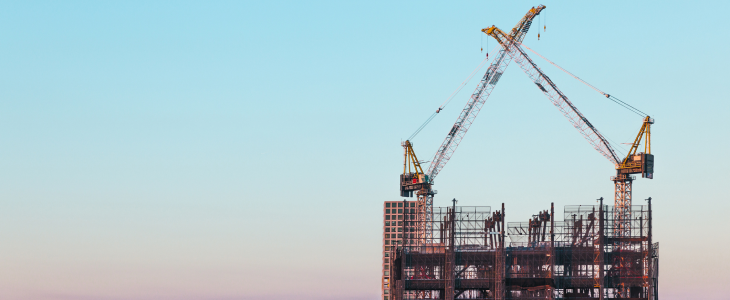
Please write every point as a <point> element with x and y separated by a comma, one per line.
<point>242,150</point>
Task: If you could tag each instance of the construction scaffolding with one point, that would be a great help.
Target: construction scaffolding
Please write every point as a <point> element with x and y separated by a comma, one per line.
<point>587,255</point>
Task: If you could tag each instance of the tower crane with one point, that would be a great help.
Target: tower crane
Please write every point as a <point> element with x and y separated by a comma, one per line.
<point>413,177</point>
<point>634,163</point>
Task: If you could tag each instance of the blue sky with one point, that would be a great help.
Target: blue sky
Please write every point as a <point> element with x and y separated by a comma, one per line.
<point>195,150</point>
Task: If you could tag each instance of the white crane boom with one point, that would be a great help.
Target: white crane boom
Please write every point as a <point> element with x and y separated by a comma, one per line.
<point>462,124</point>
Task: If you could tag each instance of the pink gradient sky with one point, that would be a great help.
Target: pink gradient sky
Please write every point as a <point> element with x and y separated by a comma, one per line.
<point>242,150</point>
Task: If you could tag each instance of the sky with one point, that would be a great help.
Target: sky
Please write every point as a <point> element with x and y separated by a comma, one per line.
<point>243,149</point>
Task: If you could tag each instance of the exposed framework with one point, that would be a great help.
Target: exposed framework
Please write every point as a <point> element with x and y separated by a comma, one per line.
<point>466,250</point>
<point>576,258</point>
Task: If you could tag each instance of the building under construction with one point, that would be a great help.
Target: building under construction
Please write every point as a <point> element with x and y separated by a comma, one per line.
<point>594,252</point>
<point>473,253</point>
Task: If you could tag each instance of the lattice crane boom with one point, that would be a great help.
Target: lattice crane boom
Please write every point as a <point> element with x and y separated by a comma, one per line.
<point>458,130</point>
<point>543,82</point>
<point>479,97</point>
<point>634,163</point>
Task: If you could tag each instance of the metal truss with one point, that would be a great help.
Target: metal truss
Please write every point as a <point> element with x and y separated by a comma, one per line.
<point>480,95</point>
<point>543,82</point>
<point>544,258</point>
<point>469,113</point>
<point>622,206</point>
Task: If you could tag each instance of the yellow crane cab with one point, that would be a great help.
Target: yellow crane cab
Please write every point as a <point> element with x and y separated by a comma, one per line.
<point>642,162</point>
<point>413,178</point>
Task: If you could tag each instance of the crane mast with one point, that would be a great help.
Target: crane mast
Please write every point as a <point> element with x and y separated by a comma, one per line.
<point>458,131</point>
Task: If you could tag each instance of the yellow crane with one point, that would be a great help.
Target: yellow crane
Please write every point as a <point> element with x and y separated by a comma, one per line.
<point>634,163</point>
<point>423,185</point>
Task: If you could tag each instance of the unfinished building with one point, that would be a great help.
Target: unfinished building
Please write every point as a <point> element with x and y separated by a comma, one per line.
<point>472,253</point>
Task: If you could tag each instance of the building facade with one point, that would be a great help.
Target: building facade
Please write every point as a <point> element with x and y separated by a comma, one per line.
<point>396,214</point>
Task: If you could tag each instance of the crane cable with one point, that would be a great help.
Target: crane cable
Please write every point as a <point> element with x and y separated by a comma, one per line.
<point>451,97</point>
<point>612,98</point>
<point>617,146</point>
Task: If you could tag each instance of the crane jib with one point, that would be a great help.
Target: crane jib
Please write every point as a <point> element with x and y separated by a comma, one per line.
<point>480,95</point>
<point>453,138</point>
<point>559,99</point>
<point>462,124</point>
